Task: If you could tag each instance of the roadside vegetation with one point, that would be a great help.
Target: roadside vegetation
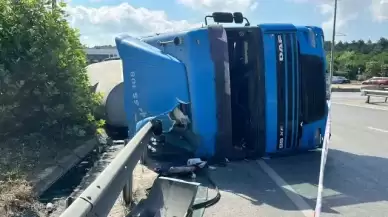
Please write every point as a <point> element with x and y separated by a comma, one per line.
<point>45,101</point>
<point>359,60</point>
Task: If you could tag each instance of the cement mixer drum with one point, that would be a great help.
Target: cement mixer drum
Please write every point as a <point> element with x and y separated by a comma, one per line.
<point>107,78</point>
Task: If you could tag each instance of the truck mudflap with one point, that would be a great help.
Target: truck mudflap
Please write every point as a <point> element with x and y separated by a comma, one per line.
<point>155,82</point>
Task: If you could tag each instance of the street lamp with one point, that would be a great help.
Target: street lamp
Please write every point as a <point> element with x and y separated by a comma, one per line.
<point>333,40</point>
<point>332,51</point>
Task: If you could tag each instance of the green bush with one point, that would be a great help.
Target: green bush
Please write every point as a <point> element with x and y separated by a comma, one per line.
<point>44,89</point>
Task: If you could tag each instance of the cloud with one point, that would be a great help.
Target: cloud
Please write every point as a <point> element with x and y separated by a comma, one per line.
<point>325,8</point>
<point>299,1</point>
<point>220,5</point>
<point>253,6</point>
<point>100,25</point>
<point>379,9</point>
<point>347,11</point>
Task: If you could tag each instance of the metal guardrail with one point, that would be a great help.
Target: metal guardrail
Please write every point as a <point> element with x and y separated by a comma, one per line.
<point>375,93</point>
<point>111,58</point>
<point>100,196</point>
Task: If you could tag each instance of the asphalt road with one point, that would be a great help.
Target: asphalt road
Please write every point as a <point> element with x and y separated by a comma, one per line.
<point>355,179</point>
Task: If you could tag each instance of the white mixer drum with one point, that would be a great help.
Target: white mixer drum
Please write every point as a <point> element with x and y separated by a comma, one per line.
<point>107,78</point>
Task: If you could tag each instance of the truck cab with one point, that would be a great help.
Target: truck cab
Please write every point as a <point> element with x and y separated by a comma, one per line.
<point>244,91</point>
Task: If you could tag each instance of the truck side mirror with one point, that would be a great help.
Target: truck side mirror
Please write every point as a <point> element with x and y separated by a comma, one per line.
<point>238,17</point>
<point>226,17</point>
<point>222,17</point>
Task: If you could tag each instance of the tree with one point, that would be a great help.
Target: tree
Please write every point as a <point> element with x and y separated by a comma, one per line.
<point>44,88</point>
<point>373,68</point>
<point>384,70</point>
<point>360,56</point>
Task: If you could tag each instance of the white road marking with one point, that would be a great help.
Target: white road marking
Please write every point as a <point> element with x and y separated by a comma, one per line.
<point>360,106</point>
<point>377,129</point>
<point>299,202</point>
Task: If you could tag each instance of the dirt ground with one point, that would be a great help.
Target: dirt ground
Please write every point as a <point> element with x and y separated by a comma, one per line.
<point>18,166</point>
<point>143,179</point>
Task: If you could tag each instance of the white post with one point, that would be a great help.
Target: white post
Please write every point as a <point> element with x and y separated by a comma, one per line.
<point>325,147</point>
<point>333,44</point>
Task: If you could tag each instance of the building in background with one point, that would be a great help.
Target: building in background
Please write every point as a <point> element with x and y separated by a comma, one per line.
<point>95,55</point>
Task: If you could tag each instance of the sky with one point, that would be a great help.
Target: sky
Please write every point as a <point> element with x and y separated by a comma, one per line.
<point>99,21</point>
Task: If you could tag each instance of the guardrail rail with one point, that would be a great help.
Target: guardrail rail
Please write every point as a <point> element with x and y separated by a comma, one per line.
<point>375,93</point>
<point>100,196</point>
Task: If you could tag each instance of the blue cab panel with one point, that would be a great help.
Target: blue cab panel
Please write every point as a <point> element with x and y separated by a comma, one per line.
<point>154,82</point>
<point>172,72</point>
<point>295,84</point>
<point>313,60</point>
<point>282,86</point>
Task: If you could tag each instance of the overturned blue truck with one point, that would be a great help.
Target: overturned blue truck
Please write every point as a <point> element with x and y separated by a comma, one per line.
<point>229,92</point>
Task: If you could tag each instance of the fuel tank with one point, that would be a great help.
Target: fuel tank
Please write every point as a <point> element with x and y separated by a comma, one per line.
<point>107,78</point>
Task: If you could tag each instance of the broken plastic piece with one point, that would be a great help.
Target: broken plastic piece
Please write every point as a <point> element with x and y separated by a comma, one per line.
<point>194,161</point>
<point>168,198</point>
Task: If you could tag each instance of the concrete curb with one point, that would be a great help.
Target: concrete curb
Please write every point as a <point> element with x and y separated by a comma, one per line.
<point>50,175</point>
<point>345,89</point>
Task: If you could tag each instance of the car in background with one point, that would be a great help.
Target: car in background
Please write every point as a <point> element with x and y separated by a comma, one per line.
<point>375,83</point>
<point>378,81</point>
<point>339,80</point>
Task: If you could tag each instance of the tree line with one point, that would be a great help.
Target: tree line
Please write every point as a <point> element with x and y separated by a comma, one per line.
<point>44,88</point>
<point>360,59</point>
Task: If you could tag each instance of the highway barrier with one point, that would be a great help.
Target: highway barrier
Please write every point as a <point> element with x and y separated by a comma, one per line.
<point>325,150</point>
<point>345,87</point>
<point>375,93</point>
<point>99,198</point>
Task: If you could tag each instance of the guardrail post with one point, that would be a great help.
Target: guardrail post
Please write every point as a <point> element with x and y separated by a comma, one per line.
<point>100,196</point>
<point>375,93</point>
<point>128,187</point>
<point>127,191</point>
<point>367,99</point>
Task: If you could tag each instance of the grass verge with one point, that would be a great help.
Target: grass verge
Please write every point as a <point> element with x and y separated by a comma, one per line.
<point>19,164</point>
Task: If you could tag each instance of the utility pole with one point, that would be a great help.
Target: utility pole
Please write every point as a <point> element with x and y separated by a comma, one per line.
<point>333,41</point>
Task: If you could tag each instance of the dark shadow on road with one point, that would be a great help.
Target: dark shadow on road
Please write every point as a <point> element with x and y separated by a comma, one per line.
<point>78,178</point>
<point>350,179</point>
<point>382,103</point>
